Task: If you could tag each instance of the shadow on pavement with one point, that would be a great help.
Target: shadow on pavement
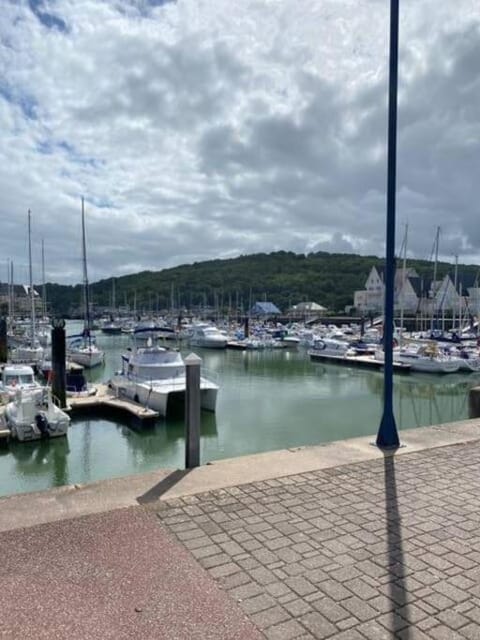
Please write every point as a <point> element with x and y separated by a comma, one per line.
<point>397,584</point>
<point>155,492</point>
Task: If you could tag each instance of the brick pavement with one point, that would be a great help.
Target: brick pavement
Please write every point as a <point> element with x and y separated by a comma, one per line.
<point>381,549</point>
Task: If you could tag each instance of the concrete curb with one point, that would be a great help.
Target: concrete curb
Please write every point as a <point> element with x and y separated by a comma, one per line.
<point>73,501</point>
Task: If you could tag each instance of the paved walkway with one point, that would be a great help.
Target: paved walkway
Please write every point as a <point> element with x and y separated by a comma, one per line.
<point>375,550</point>
<point>356,546</point>
<point>113,576</point>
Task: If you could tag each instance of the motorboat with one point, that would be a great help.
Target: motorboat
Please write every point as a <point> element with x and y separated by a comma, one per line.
<point>208,337</point>
<point>27,353</point>
<point>147,331</point>
<point>428,359</point>
<point>155,377</point>
<point>18,376</point>
<point>111,327</point>
<point>329,348</point>
<point>32,416</point>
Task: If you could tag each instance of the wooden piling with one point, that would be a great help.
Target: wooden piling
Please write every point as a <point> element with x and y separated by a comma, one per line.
<point>58,362</point>
<point>3,340</point>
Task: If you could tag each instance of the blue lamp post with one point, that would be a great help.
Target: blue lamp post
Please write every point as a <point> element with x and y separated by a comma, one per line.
<point>387,436</point>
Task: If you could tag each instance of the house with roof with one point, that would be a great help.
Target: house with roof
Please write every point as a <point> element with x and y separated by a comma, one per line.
<point>307,309</point>
<point>20,296</point>
<point>371,299</point>
<point>264,309</point>
<point>417,294</point>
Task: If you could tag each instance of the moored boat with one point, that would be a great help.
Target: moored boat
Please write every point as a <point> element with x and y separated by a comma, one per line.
<point>155,377</point>
<point>31,416</point>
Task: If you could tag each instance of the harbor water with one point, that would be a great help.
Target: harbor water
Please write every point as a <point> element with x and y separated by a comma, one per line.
<point>271,399</point>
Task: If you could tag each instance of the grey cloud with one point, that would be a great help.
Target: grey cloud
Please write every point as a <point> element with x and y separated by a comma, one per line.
<point>203,134</point>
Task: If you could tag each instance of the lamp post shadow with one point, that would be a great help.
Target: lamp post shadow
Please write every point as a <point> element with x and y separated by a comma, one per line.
<point>398,592</point>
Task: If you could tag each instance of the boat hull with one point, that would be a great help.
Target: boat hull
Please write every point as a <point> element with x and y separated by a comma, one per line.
<point>159,395</point>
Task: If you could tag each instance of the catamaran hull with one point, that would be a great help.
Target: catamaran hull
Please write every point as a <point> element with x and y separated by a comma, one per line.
<point>159,397</point>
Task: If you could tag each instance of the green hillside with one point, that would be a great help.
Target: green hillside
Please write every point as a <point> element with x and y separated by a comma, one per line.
<point>284,278</point>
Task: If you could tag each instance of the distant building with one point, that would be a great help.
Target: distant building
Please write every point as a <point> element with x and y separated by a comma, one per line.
<point>307,309</point>
<point>264,309</point>
<point>415,294</point>
<point>21,298</point>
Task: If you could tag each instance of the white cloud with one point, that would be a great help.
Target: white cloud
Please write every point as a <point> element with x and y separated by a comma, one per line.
<point>197,129</point>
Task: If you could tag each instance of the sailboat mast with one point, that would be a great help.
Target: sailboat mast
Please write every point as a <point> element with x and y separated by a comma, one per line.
<point>9,293</point>
<point>12,290</point>
<point>455,284</point>
<point>44,286</point>
<point>86,299</point>
<point>434,285</point>
<point>32,293</point>
<point>404,279</point>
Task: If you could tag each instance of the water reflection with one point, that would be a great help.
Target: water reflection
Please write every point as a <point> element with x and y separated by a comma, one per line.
<point>49,456</point>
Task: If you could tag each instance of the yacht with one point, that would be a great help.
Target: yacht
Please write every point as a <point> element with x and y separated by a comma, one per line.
<point>18,376</point>
<point>155,377</point>
<point>208,337</point>
<point>31,416</point>
<point>428,359</point>
<point>326,348</point>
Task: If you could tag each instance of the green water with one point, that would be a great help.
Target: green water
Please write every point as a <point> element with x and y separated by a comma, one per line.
<point>267,400</point>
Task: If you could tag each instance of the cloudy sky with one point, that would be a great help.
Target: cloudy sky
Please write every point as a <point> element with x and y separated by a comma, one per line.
<point>198,129</point>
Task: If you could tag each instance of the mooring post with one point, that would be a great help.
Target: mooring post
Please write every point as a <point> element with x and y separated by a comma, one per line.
<point>192,411</point>
<point>246,330</point>
<point>3,340</point>
<point>58,362</point>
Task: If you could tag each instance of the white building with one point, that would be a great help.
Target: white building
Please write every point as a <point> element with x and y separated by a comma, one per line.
<point>415,294</point>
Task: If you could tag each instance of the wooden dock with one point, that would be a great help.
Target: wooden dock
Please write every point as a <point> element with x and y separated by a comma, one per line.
<point>368,362</point>
<point>106,398</point>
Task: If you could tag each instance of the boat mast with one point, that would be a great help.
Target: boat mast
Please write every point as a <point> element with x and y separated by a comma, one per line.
<point>12,293</point>
<point>114,302</point>
<point>9,292</point>
<point>86,299</point>
<point>404,279</point>
<point>455,284</point>
<point>44,286</point>
<point>434,284</point>
<point>32,292</point>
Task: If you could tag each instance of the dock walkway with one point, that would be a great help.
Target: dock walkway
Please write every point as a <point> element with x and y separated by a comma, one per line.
<point>105,397</point>
<point>337,541</point>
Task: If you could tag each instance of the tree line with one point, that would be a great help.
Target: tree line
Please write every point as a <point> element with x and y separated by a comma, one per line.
<point>283,277</point>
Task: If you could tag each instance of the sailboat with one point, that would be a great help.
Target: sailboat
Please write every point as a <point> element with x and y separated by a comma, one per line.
<point>30,350</point>
<point>82,348</point>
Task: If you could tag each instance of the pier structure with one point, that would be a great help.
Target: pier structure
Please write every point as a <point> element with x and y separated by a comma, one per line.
<point>106,398</point>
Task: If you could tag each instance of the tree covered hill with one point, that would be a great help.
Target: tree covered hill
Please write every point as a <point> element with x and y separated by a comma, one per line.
<point>284,278</point>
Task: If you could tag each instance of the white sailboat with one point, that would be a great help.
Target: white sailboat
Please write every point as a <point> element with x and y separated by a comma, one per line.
<point>82,348</point>
<point>30,350</point>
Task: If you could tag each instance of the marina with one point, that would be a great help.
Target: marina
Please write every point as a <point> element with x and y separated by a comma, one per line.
<point>268,399</point>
